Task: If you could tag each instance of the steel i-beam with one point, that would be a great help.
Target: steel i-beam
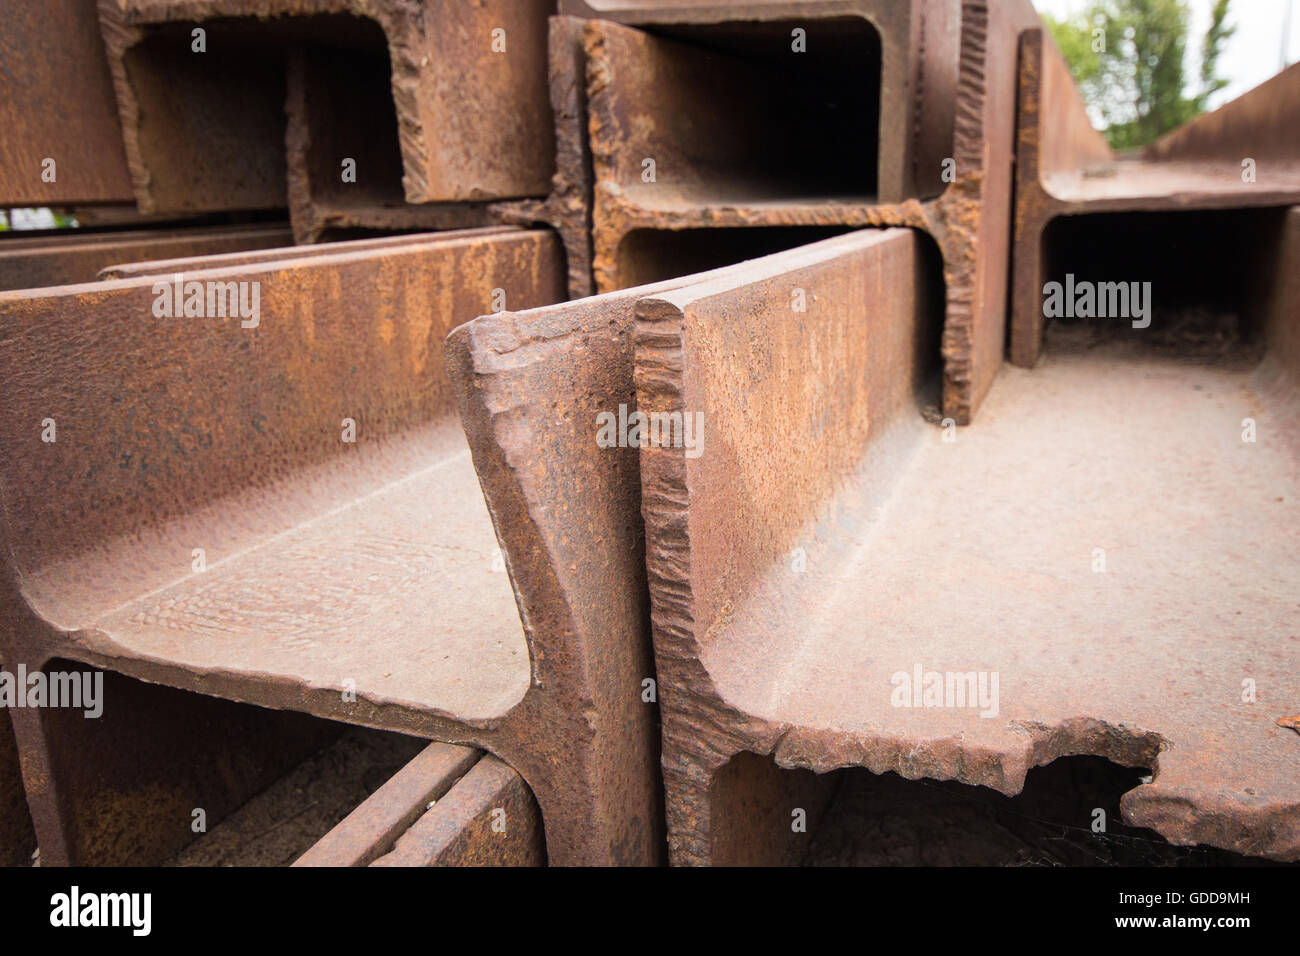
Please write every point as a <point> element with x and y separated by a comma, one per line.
<point>1246,154</point>
<point>325,410</point>
<point>468,85</point>
<point>809,615</point>
<point>902,115</point>
<point>351,570</point>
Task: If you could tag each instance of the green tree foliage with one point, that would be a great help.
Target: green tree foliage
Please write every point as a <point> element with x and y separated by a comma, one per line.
<point>1129,59</point>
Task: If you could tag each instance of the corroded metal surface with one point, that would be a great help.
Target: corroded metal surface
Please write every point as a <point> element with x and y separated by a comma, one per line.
<point>531,386</point>
<point>56,103</point>
<point>153,267</point>
<point>336,569</point>
<point>858,357</point>
<point>70,259</point>
<point>121,789</point>
<point>353,580</point>
<point>632,75</point>
<point>916,66</point>
<point>568,207</point>
<point>370,830</point>
<point>1065,168</point>
<point>17,839</point>
<point>487,818</point>
<point>796,593</point>
<point>471,113</point>
<point>537,380</point>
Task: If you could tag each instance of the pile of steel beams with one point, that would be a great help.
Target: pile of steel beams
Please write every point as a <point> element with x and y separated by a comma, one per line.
<point>527,432</point>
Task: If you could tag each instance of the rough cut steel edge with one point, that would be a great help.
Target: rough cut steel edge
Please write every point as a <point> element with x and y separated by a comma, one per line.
<point>370,831</point>
<point>567,514</point>
<point>572,735</point>
<point>487,818</point>
<point>881,366</point>
<point>72,259</point>
<point>970,221</point>
<point>1065,168</point>
<point>718,563</point>
<point>62,110</point>
<point>442,79</point>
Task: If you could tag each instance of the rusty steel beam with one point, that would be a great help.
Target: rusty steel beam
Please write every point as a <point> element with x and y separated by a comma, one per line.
<point>320,205</point>
<point>225,260</point>
<point>567,209</point>
<point>540,379</point>
<point>21,239</point>
<point>543,379</point>
<point>244,459</point>
<point>743,56</point>
<point>56,103</point>
<point>531,386</point>
<point>797,590</point>
<point>645,102</point>
<point>249,456</point>
<point>866,340</point>
<point>471,118</point>
<point>487,818</point>
<point>70,259</point>
<point>1064,168</point>
<point>370,830</point>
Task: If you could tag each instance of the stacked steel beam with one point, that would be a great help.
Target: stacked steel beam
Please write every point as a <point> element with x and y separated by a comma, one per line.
<point>590,466</point>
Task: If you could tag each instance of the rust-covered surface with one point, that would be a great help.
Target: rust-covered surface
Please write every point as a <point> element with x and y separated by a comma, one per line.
<point>637,82</point>
<point>1282,301</point>
<point>17,838</point>
<point>122,788</point>
<point>392,511</point>
<point>532,385</point>
<point>360,582</point>
<point>735,353</point>
<point>335,113</point>
<point>567,209</point>
<point>72,258</point>
<point>207,131</point>
<point>56,103</point>
<point>1065,168</point>
<point>798,597</point>
<point>370,831</point>
<point>225,260</point>
<point>353,580</point>
<point>487,818</point>
<point>905,51</point>
<point>541,380</point>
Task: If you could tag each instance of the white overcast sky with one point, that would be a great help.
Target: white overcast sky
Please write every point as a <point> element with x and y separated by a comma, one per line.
<point>1252,55</point>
